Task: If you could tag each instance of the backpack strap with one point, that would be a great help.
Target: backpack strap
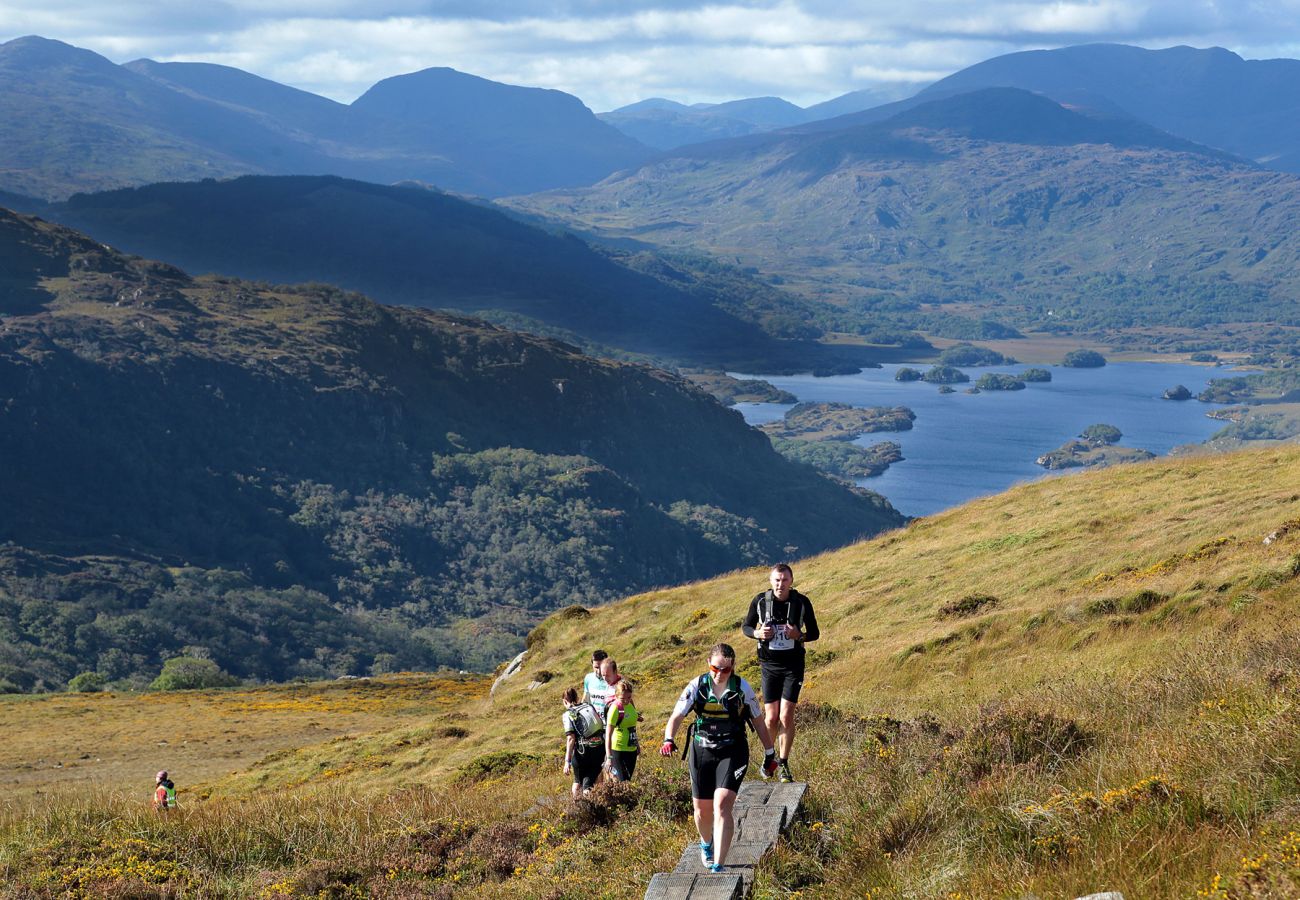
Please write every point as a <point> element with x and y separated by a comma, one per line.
<point>701,685</point>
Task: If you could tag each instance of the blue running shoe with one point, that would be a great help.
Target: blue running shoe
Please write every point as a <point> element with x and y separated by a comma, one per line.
<point>716,869</point>
<point>706,854</point>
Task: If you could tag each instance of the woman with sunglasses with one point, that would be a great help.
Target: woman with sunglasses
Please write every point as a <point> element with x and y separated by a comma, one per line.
<point>723,704</point>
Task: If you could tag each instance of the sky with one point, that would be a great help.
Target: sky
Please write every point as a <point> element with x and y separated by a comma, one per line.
<point>613,52</point>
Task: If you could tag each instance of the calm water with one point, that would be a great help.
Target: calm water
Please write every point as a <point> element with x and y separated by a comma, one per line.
<point>963,445</point>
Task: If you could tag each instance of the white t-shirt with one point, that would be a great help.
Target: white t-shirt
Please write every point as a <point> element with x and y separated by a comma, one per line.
<point>599,692</point>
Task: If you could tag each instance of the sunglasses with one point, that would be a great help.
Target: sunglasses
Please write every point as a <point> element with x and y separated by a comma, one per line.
<point>719,670</point>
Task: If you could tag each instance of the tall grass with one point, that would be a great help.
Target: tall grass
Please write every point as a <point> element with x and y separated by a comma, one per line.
<point>1089,683</point>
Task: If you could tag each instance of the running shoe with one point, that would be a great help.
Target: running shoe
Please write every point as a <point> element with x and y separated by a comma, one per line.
<point>706,854</point>
<point>784,769</point>
<point>716,869</point>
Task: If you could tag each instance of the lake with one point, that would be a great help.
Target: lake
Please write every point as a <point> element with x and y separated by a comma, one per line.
<point>964,446</point>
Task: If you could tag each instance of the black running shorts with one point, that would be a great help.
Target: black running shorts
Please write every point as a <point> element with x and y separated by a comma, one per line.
<point>722,768</point>
<point>587,764</point>
<point>782,682</point>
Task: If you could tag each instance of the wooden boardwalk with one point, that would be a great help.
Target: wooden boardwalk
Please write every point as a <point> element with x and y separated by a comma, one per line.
<point>763,811</point>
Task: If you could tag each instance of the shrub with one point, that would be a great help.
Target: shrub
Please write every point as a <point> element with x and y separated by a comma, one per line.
<point>945,375</point>
<point>494,765</point>
<point>1084,359</point>
<point>573,611</point>
<point>992,381</point>
<point>966,606</point>
<point>1141,601</point>
<point>536,638</point>
<point>1017,737</point>
<point>87,683</point>
<point>970,355</point>
<point>499,849</point>
<point>1100,434</point>
<point>184,673</point>
<point>1101,606</point>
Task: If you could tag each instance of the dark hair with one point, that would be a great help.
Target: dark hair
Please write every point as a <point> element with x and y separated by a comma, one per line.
<point>571,695</point>
<point>598,655</point>
<point>723,650</point>
<point>783,567</point>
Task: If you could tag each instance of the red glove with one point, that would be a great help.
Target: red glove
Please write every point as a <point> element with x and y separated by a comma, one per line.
<point>669,748</point>
<point>769,763</point>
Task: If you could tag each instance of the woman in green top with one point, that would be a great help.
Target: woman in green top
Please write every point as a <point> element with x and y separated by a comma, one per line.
<point>620,733</point>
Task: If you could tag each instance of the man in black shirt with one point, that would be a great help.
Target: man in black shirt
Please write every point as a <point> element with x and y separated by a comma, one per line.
<point>782,621</point>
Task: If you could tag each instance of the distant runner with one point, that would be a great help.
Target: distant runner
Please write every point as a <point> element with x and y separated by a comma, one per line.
<point>723,704</point>
<point>584,743</point>
<point>782,621</point>
<point>164,794</point>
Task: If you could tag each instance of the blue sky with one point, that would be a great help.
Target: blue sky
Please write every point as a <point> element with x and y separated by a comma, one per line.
<point>611,52</point>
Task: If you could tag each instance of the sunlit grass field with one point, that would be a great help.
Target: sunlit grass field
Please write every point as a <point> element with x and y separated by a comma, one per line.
<point>1087,683</point>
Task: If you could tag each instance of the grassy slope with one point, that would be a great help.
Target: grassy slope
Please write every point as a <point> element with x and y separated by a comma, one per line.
<point>1010,750</point>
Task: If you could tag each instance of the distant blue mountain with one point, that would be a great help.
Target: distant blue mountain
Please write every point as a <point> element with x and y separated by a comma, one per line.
<point>1213,96</point>
<point>74,121</point>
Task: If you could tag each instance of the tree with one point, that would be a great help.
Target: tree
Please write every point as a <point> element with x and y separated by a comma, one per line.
<point>87,683</point>
<point>1084,359</point>
<point>182,673</point>
<point>1099,435</point>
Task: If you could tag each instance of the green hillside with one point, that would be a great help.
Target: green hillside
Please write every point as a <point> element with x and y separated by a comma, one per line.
<point>413,246</point>
<point>1086,683</point>
<point>301,482</point>
<point>995,205</point>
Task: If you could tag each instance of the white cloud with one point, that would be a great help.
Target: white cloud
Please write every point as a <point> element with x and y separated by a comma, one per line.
<point>610,52</point>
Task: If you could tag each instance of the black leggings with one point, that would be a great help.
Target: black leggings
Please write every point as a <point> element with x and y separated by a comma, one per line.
<point>622,764</point>
<point>587,763</point>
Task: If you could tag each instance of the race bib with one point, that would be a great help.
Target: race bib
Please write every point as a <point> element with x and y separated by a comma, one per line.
<point>780,642</point>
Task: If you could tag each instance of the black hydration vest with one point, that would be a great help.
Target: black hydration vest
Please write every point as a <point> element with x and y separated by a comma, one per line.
<point>719,721</point>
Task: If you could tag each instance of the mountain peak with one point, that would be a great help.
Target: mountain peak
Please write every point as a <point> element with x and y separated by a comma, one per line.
<point>33,50</point>
<point>1017,116</point>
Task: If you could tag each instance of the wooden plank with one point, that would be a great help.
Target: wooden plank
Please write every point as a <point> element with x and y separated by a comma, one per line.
<point>761,823</point>
<point>789,796</point>
<point>753,793</point>
<point>727,886</point>
<point>747,853</point>
<point>670,887</point>
<point>690,860</point>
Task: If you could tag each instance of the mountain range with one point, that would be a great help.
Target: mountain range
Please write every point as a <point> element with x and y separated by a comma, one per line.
<point>998,199</point>
<point>303,481</point>
<point>666,124</point>
<point>76,121</point>
<point>410,245</point>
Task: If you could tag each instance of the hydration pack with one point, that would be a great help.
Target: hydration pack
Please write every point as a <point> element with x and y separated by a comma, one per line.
<point>586,722</point>
<point>719,721</point>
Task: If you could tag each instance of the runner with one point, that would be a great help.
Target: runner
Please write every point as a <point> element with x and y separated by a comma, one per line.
<point>603,690</point>
<point>723,704</point>
<point>620,733</point>
<point>164,793</point>
<point>592,683</point>
<point>782,621</point>
<point>584,743</point>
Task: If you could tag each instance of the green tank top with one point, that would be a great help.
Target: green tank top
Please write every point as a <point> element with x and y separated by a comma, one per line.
<point>624,719</point>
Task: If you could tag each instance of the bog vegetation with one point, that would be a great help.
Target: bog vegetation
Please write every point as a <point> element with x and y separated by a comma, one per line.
<point>1086,683</point>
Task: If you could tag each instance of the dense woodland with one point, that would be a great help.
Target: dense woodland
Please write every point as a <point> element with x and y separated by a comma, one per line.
<point>361,487</point>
